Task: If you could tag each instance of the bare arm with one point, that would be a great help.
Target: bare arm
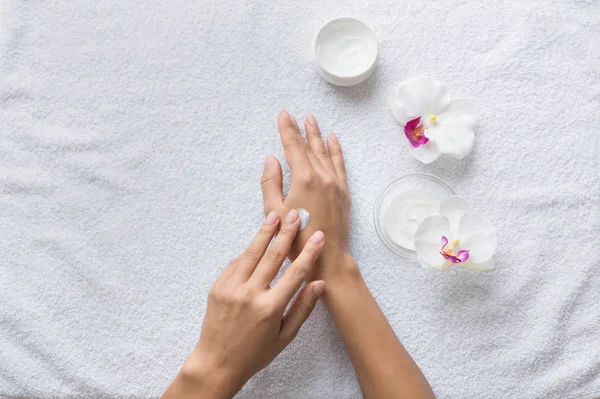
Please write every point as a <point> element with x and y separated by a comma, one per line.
<point>319,184</point>
<point>383,367</point>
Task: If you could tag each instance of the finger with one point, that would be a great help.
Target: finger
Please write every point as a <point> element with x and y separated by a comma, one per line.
<point>227,272</point>
<point>295,122</point>
<point>300,310</point>
<point>313,134</point>
<point>293,277</point>
<point>271,262</point>
<point>314,161</point>
<point>271,183</point>
<point>335,150</point>
<point>293,143</point>
<point>247,262</point>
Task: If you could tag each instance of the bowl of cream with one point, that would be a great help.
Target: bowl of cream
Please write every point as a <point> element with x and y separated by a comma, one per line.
<point>345,51</point>
<point>401,207</point>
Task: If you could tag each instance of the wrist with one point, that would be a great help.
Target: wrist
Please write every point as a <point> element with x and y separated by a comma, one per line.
<point>201,378</point>
<point>338,267</point>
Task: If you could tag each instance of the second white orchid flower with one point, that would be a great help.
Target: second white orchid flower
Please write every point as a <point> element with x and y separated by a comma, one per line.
<point>433,123</point>
<point>456,236</point>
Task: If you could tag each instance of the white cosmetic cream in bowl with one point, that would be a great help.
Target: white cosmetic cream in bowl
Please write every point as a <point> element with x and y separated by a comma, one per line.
<point>401,207</point>
<point>345,51</point>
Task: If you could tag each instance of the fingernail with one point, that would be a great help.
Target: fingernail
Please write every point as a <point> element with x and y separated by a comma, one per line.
<point>269,161</point>
<point>271,218</point>
<point>285,115</point>
<point>318,287</point>
<point>318,237</point>
<point>291,216</point>
<point>311,120</point>
<point>333,138</point>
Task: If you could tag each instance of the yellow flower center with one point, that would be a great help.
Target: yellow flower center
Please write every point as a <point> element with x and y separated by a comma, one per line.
<point>451,248</point>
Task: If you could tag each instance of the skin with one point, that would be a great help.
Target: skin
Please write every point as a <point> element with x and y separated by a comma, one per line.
<point>319,184</point>
<point>245,326</point>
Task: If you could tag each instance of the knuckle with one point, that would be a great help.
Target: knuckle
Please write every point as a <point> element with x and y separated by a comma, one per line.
<point>250,254</point>
<point>329,182</point>
<point>287,230</point>
<point>266,229</point>
<point>291,145</point>
<point>308,178</point>
<point>265,180</point>
<point>298,270</point>
<point>214,294</point>
<point>306,307</point>
<point>241,296</point>
<point>267,309</point>
<point>274,255</point>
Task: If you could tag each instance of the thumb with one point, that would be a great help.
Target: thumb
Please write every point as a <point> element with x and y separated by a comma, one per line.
<point>271,183</point>
<point>300,310</point>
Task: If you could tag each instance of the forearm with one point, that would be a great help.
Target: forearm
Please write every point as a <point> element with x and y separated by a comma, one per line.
<point>383,367</point>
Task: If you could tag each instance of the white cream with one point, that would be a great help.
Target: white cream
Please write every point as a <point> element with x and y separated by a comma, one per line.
<point>405,213</point>
<point>304,217</point>
<point>346,56</point>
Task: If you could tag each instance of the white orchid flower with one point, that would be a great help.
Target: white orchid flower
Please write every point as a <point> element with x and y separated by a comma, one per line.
<point>456,236</point>
<point>433,123</point>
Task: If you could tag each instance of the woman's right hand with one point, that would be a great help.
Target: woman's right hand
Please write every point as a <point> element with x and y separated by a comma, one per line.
<point>318,184</point>
<point>246,324</point>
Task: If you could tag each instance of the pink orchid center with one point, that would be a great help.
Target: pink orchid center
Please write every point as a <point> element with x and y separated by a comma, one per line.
<point>414,130</point>
<point>449,251</point>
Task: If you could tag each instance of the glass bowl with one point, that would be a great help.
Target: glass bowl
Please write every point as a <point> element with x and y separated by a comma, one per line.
<point>413,181</point>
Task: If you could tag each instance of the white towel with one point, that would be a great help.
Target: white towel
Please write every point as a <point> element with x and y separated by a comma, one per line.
<point>132,140</point>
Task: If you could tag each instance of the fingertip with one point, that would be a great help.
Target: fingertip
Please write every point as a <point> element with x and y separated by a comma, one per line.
<point>271,218</point>
<point>284,116</point>
<point>269,162</point>
<point>318,287</point>
<point>332,138</point>
<point>292,216</point>
<point>318,237</point>
<point>312,121</point>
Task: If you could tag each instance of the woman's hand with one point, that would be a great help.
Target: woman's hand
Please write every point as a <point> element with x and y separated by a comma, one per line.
<point>318,185</point>
<point>245,327</point>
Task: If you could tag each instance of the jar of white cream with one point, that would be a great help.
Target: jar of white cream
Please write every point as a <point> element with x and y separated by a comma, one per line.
<point>345,51</point>
<point>401,207</point>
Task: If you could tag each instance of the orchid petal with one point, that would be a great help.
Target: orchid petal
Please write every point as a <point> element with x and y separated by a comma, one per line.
<point>427,239</point>
<point>453,136</point>
<point>454,207</point>
<point>444,266</point>
<point>399,112</point>
<point>459,106</point>
<point>426,153</point>
<point>415,133</point>
<point>444,242</point>
<point>462,255</point>
<point>487,265</point>
<point>476,233</point>
<point>420,96</point>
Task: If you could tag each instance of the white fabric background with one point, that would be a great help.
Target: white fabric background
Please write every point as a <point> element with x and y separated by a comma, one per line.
<point>132,140</point>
